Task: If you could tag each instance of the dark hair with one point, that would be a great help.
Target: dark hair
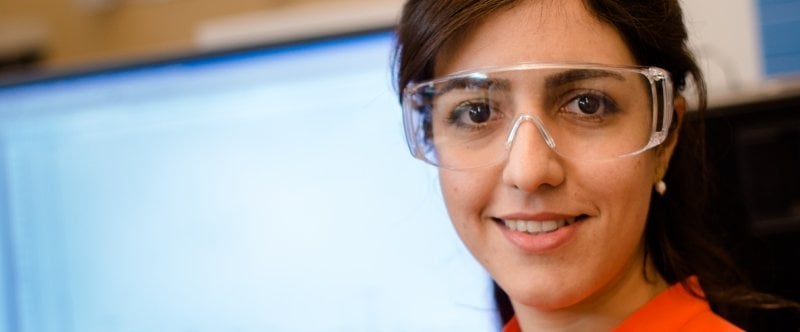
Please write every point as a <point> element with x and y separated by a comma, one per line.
<point>678,237</point>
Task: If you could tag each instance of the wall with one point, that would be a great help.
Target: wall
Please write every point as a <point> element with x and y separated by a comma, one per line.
<point>81,31</point>
<point>727,44</point>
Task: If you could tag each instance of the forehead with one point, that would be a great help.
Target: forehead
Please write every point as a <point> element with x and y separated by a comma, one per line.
<point>536,31</point>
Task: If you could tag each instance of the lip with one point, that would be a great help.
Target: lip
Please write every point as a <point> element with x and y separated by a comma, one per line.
<point>543,216</point>
<point>539,243</point>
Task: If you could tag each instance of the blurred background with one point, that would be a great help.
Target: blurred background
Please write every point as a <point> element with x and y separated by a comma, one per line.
<point>741,46</point>
<point>54,33</point>
<point>199,165</point>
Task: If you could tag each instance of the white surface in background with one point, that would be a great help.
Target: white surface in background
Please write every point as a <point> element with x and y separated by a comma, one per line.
<point>725,36</point>
<point>297,22</point>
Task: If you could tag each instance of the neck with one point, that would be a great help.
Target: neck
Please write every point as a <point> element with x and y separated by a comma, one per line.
<point>602,311</point>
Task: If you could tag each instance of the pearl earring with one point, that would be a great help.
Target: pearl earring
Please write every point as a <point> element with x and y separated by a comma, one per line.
<point>661,187</point>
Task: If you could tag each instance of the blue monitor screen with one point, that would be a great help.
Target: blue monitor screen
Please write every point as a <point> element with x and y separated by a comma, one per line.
<point>259,190</point>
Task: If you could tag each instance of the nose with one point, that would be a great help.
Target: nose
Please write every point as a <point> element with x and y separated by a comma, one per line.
<point>532,162</point>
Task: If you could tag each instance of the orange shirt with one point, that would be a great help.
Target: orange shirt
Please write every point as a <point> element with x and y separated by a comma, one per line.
<point>675,309</point>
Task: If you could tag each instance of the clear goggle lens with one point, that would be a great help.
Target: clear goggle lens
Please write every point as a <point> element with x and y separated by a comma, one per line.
<point>587,112</point>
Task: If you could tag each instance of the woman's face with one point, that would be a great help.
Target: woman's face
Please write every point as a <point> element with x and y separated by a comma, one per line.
<point>579,263</point>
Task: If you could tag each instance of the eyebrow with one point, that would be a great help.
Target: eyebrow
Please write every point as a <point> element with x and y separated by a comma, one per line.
<point>552,81</point>
<point>477,82</point>
<point>575,75</point>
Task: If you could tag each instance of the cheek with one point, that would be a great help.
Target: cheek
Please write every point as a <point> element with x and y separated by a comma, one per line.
<point>461,191</point>
<point>616,180</point>
<point>620,191</point>
<point>466,194</point>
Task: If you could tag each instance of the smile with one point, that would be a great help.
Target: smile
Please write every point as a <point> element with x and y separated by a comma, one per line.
<point>539,227</point>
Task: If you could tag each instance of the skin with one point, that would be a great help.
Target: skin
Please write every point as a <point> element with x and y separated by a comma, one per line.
<point>598,276</point>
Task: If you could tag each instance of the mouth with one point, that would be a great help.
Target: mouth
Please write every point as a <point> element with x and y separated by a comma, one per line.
<point>535,227</point>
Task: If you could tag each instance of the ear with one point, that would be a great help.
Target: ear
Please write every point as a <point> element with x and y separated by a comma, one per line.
<point>664,151</point>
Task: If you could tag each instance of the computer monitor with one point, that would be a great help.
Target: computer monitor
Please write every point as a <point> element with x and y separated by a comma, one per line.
<point>266,189</point>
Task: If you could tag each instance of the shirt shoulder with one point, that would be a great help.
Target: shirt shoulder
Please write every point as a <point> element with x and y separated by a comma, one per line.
<point>708,321</point>
<point>512,325</point>
<point>673,310</point>
<point>676,309</point>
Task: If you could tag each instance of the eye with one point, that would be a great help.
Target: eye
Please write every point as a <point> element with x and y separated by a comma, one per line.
<point>471,112</point>
<point>590,104</point>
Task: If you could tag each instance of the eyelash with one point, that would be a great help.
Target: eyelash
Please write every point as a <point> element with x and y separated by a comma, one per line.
<point>609,107</point>
<point>455,115</point>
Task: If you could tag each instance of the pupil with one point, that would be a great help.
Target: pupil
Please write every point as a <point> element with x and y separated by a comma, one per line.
<point>588,104</point>
<point>479,113</point>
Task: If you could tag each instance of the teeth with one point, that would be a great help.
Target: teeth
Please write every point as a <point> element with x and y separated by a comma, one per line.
<point>536,227</point>
<point>532,226</point>
<point>549,226</point>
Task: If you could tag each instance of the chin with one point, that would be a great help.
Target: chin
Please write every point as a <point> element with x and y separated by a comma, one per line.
<point>544,296</point>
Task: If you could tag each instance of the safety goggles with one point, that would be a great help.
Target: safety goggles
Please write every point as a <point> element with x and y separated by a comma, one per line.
<point>581,111</point>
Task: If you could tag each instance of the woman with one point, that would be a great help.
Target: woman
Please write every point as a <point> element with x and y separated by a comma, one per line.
<point>553,124</point>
